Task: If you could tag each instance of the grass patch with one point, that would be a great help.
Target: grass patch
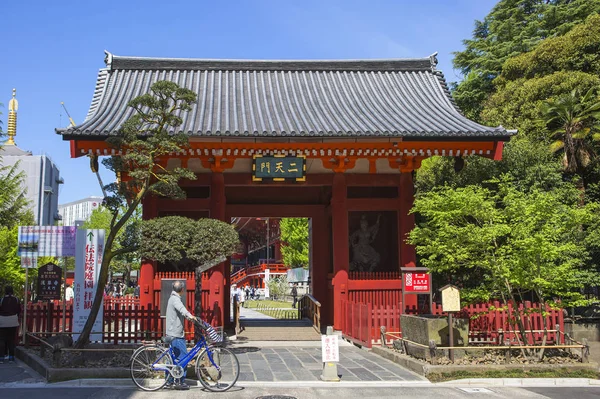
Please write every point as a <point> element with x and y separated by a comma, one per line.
<point>267,303</point>
<point>275,309</point>
<point>553,373</point>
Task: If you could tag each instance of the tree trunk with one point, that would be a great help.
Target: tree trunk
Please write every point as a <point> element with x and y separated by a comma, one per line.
<point>198,301</point>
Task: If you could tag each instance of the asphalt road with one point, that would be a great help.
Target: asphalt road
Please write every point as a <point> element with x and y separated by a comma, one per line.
<point>304,393</point>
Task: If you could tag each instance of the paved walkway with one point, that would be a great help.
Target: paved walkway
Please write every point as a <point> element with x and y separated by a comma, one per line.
<point>299,362</point>
<point>246,313</point>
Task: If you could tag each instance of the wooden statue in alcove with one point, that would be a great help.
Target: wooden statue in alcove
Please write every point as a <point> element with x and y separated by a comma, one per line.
<point>364,257</point>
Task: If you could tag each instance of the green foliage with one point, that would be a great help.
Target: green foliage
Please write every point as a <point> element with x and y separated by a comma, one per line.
<point>528,163</point>
<point>507,242</point>
<point>577,50</point>
<point>186,243</point>
<point>294,237</point>
<point>279,286</point>
<point>518,104</point>
<point>512,27</point>
<point>11,272</point>
<point>573,119</point>
<point>13,202</point>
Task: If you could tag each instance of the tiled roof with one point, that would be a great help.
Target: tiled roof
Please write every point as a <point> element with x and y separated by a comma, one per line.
<point>371,98</point>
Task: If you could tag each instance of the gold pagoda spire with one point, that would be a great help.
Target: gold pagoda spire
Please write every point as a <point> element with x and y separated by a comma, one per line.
<point>13,106</point>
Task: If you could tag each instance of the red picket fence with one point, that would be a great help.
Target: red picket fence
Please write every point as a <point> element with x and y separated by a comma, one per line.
<point>489,323</point>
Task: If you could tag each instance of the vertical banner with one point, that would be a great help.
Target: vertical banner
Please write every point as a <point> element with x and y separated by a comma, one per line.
<point>89,249</point>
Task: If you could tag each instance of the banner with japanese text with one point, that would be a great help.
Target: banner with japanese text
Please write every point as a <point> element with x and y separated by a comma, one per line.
<point>89,249</point>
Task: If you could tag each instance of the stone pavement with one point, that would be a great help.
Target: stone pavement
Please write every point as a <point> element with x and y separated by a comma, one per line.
<point>246,313</point>
<point>302,362</point>
<point>18,372</point>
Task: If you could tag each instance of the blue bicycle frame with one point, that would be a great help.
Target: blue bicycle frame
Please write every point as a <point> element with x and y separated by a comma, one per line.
<point>201,344</point>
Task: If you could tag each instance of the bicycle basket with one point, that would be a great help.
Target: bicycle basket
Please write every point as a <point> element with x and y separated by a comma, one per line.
<point>214,335</point>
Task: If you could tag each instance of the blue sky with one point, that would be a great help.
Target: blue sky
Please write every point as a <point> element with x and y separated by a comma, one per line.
<point>52,50</point>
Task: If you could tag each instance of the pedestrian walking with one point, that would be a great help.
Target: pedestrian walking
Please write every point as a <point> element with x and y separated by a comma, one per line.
<point>10,308</point>
<point>294,294</point>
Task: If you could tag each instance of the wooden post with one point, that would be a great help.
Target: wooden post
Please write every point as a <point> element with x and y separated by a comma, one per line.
<point>585,351</point>
<point>450,337</point>
<point>507,352</point>
<point>432,351</point>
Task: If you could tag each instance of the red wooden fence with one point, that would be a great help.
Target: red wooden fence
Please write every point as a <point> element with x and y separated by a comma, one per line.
<point>489,323</point>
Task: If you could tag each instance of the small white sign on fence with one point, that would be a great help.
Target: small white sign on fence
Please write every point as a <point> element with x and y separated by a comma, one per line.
<point>330,348</point>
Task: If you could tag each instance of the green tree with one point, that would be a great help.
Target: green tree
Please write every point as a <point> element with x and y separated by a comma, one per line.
<point>188,244</point>
<point>574,121</point>
<point>507,243</point>
<point>144,139</point>
<point>294,237</point>
<point>13,202</point>
<point>511,28</point>
<point>278,287</point>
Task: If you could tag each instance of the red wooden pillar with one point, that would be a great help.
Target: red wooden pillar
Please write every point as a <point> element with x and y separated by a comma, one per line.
<point>406,222</point>
<point>218,274</point>
<point>147,269</point>
<point>341,258</point>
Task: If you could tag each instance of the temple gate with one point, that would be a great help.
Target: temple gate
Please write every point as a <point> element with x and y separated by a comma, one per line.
<point>362,128</point>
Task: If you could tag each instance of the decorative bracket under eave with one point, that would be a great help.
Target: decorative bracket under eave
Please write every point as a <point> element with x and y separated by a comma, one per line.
<point>217,164</point>
<point>406,163</point>
<point>339,164</point>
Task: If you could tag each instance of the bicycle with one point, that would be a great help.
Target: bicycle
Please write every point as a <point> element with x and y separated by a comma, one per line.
<point>216,368</point>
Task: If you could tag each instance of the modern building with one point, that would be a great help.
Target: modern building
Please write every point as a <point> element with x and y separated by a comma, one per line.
<point>79,210</point>
<point>42,177</point>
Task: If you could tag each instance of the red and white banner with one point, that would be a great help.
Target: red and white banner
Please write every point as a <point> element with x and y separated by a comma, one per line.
<point>88,258</point>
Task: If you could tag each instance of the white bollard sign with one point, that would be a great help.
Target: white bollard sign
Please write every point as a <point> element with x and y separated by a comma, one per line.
<point>330,348</point>
<point>88,258</point>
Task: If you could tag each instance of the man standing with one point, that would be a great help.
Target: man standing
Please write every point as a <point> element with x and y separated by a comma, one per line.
<point>176,312</point>
<point>69,293</point>
<point>294,294</point>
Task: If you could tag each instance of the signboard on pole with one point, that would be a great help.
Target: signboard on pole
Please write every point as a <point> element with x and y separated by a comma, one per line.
<point>29,261</point>
<point>417,282</point>
<point>450,298</point>
<point>46,240</point>
<point>49,282</point>
<point>88,258</point>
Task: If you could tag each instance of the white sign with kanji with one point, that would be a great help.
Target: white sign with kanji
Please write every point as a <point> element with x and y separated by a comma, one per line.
<point>88,258</point>
<point>330,348</point>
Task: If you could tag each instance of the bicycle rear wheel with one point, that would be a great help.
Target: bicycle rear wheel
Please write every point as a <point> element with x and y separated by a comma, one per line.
<point>148,367</point>
<point>222,377</point>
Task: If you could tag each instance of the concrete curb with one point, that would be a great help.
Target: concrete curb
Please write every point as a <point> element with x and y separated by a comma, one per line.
<point>522,382</point>
<point>127,383</point>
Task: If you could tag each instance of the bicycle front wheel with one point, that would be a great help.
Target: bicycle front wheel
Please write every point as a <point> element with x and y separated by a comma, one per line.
<point>221,375</point>
<point>149,367</point>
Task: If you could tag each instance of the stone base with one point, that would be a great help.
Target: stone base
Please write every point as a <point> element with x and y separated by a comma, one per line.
<point>423,368</point>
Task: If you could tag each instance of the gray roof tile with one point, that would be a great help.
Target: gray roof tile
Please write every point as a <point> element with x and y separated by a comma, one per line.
<point>397,98</point>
